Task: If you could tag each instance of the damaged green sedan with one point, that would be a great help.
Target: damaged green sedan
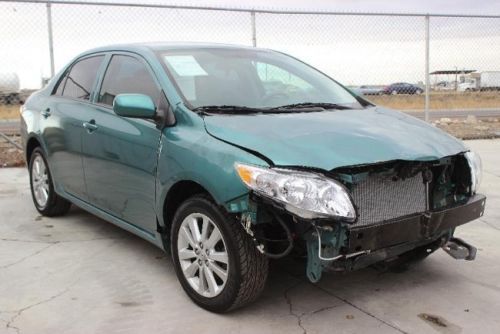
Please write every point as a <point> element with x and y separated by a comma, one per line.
<point>228,156</point>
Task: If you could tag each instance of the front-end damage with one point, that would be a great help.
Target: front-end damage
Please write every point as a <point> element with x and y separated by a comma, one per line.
<point>404,209</point>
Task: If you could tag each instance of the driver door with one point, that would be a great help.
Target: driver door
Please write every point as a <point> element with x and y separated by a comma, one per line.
<point>120,154</point>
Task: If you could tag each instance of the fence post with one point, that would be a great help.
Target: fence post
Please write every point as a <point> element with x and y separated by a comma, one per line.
<point>51,39</point>
<point>254,30</point>
<point>427,75</point>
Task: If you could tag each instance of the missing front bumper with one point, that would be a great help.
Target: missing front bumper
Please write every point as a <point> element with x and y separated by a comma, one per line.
<point>414,228</point>
<point>371,244</point>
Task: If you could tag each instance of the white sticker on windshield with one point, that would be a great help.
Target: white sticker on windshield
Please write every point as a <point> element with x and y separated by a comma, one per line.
<point>185,66</point>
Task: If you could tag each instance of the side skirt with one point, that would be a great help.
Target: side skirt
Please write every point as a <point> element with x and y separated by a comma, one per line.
<point>153,238</point>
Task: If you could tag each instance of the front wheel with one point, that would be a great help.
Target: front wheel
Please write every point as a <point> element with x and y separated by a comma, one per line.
<point>215,261</point>
<point>46,201</point>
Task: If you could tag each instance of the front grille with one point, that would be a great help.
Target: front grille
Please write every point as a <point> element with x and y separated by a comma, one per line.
<point>379,198</point>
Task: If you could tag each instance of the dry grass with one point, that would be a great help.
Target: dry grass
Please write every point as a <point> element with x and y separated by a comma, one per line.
<point>440,100</point>
<point>9,111</point>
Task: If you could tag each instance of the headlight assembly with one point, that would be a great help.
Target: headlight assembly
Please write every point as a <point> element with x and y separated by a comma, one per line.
<point>476,169</point>
<point>308,195</point>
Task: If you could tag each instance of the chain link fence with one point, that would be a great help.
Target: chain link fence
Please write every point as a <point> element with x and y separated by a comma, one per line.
<point>383,56</point>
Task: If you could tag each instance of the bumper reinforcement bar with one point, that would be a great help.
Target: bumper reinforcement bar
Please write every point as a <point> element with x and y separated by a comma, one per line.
<point>416,228</point>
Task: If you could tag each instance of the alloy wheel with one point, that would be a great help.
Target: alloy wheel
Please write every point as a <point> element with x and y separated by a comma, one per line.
<point>40,181</point>
<point>203,255</point>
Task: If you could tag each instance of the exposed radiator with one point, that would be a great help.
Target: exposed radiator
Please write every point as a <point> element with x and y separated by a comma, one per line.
<point>379,198</point>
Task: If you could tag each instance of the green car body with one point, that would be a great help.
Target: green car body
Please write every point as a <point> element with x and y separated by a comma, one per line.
<point>135,172</point>
<point>153,159</point>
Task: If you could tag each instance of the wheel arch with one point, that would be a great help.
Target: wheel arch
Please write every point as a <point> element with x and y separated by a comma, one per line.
<point>32,143</point>
<point>176,195</point>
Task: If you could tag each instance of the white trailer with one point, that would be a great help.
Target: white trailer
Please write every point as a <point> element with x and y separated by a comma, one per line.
<point>9,87</point>
<point>488,80</point>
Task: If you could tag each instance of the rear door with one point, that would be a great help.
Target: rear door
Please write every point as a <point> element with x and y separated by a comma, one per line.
<point>62,123</point>
<point>120,154</point>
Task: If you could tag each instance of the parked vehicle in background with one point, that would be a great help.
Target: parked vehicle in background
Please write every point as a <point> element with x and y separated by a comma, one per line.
<point>9,88</point>
<point>444,86</point>
<point>484,81</point>
<point>402,88</point>
<point>370,90</point>
<point>228,156</point>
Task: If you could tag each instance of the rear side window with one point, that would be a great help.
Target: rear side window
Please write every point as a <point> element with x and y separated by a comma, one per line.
<point>81,78</point>
<point>127,75</point>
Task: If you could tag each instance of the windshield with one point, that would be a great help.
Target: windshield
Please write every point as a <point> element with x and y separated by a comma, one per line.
<point>257,79</point>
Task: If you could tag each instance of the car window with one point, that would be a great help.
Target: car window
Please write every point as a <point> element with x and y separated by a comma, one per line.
<point>60,86</point>
<point>276,80</point>
<point>81,78</point>
<point>250,78</point>
<point>127,75</point>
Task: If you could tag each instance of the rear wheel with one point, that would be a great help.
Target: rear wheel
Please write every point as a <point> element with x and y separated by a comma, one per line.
<point>46,201</point>
<point>215,261</point>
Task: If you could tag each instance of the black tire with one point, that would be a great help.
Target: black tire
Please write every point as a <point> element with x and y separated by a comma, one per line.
<point>248,268</point>
<point>56,205</point>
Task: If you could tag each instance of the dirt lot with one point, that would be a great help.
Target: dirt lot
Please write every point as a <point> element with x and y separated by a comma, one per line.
<point>440,100</point>
<point>9,111</point>
<point>470,128</point>
<point>10,156</point>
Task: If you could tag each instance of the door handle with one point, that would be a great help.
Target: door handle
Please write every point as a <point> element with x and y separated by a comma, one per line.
<point>90,126</point>
<point>46,113</point>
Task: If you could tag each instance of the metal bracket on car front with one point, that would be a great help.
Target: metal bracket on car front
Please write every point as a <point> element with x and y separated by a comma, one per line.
<point>323,244</point>
<point>459,249</point>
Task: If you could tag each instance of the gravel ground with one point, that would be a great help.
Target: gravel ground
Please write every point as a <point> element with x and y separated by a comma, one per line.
<point>10,156</point>
<point>470,128</point>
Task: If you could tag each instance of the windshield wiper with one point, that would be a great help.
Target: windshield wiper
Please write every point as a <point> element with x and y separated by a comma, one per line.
<point>227,109</point>
<point>312,105</point>
<point>235,110</point>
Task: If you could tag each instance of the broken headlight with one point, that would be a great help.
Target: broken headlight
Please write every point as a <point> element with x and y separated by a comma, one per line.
<point>476,169</point>
<point>308,195</point>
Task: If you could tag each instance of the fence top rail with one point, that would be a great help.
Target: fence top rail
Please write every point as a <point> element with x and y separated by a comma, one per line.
<point>247,10</point>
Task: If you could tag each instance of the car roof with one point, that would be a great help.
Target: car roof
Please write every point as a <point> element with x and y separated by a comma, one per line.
<point>165,46</point>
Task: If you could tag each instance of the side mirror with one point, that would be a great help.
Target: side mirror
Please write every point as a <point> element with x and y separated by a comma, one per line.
<point>134,105</point>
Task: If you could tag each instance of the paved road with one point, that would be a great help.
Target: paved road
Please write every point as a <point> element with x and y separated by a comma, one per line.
<point>12,126</point>
<point>79,274</point>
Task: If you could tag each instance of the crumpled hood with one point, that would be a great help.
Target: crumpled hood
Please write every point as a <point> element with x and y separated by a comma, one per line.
<point>335,138</point>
